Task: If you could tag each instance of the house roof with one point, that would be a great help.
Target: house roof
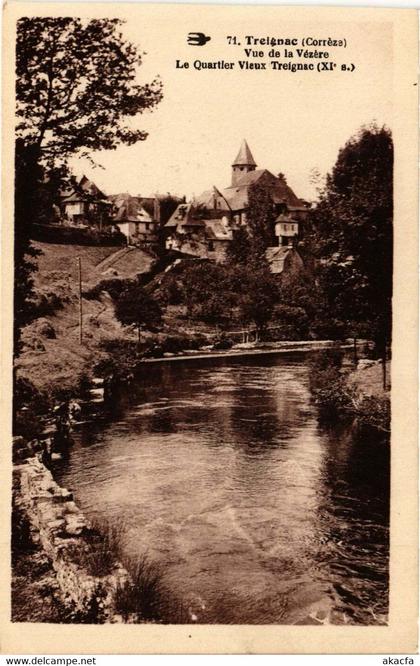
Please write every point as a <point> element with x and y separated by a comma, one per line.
<point>187,215</point>
<point>244,157</point>
<point>84,190</point>
<point>73,197</point>
<point>276,257</point>
<point>129,209</point>
<point>237,195</point>
<point>89,187</point>
<point>212,199</point>
<point>216,230</point>
<point>286,218</point>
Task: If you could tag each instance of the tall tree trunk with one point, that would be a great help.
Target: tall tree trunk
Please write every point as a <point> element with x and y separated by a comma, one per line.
<point>384,383</point>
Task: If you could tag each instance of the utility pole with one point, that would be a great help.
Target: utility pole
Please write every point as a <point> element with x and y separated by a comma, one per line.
<point>79,264</point>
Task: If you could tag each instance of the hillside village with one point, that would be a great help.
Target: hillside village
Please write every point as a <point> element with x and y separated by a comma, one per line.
<point>203,227</point>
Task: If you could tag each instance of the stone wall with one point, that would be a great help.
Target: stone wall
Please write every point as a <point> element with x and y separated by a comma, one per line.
<point>71,544</point>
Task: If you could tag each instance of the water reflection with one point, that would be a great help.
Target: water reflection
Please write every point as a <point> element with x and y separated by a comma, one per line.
<point>222,472</point>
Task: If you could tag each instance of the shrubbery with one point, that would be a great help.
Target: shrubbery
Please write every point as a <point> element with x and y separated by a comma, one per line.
<point>336,398</point>
<point>328,385</point>
<point>29,408</point>
<point>114,287</point>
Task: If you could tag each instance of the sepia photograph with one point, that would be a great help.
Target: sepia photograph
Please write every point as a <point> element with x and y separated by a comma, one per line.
<point>203,338</point>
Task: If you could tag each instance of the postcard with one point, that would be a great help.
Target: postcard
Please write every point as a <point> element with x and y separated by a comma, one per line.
<point>210,345</point>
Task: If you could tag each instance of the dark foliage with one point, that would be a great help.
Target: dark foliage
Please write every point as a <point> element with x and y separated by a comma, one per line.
<point>260,217</point>
<point>28,176</point>
<point>134,306</point>
<point>218,294</point>
<point>351,236</point>
<point>75,85</point>
<point>29,408</point>
<point>337,399</point>
<point>168,205</point>
<point>21,533</point>
<point>114,287</point>
<point>61,234</point>
<point>240,249</point>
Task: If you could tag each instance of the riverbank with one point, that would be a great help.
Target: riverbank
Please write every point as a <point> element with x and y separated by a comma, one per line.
<point>66,569</point>
<point>255,349</point>
<point>361,393</point>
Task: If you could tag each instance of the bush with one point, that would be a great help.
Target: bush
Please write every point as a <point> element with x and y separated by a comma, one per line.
<point>29,408</point>
<point>223,342</point>
<point>145,595</point>
<point>337,399</point>
<point>114,287</point>
<point>68,235</point>
<point>21,533</point>
<point>328,385</point>
<point>27,424</point>
<point>177,343</point>
<point>374,413</point>
<point>330,329</point>
<point>99,551</point>
<point>47,303</point>
<point>122,361</point>
<point>293,323</point>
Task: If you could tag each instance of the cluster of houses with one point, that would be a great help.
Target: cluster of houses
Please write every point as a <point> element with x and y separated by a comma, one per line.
<point>203,227</point>
<point>139,219</point>
<point>206,226</point>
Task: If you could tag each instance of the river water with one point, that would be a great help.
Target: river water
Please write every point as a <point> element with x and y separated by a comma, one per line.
<point>221,472</point>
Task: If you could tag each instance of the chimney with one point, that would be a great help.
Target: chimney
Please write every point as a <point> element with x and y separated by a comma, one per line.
<point>156,209</point>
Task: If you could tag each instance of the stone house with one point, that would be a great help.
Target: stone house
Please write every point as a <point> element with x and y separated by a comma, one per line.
<point>198,230</point>
<point>83,204</point>
<point>137,218</point>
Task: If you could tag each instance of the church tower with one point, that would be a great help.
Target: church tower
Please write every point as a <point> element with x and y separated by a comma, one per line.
<point>243,163</point>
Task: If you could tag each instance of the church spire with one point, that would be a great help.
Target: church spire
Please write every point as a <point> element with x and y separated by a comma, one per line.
<point>244,157</point>
<point>243,163</point>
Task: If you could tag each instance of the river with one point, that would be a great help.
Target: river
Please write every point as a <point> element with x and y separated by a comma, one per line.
<point>221,472</point>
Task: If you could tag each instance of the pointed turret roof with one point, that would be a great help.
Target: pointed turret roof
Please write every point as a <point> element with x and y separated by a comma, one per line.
<point>244,156</point>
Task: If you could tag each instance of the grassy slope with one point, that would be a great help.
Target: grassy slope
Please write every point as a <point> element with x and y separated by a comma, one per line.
<point>56,362</point>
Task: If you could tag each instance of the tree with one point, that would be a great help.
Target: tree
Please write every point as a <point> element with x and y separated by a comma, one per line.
<point>259,295</point>
<point>28,178</point>
<point>76,86</point>
<point>352,235</point>
<point>134,306</point>
<point>239,250</point>
<point>260,218</point>
<point>168,204</point>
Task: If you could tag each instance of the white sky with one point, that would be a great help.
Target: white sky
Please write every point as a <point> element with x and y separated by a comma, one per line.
<point>293,122</point>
